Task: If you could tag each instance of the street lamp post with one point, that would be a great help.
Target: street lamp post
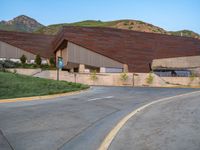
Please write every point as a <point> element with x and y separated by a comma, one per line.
<point>59,66</point>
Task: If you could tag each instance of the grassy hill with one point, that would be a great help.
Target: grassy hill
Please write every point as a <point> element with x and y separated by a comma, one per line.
<point>15,85</point>
<point>121,24</point>
<point>26,24</point>
<point>134,25</point>
<point>186,33</point>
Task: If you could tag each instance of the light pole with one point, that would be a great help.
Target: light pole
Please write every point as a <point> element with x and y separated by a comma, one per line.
<point>59,66</point>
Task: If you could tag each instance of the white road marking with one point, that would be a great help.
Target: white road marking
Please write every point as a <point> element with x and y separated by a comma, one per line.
<point>94,99</point>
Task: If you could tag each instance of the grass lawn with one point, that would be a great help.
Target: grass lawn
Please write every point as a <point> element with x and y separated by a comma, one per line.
<point>15,86</point>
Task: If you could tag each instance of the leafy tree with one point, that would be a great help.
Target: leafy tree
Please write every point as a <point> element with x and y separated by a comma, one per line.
<point>52,61</point>
<point>23,59</point>
<point>38,60</point>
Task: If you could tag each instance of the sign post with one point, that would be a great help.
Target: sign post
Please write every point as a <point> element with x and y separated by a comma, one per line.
<point>59,66</point>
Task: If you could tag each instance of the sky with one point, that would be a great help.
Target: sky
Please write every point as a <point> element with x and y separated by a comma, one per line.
<point>172,15</point>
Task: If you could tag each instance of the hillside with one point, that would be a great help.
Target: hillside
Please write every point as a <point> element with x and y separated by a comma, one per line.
<point>121,24</point>
<point>186,33</point>
<point>21,23</point>
<point>134,25</point>
<point>26,24</point>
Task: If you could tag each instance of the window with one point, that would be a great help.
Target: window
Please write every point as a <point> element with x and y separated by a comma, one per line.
<point>32,61</point>
<point>114,70</point>
<point>44,61</point>
<point>15,60</point>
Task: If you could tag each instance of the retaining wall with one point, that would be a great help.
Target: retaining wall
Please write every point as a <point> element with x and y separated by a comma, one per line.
<point>113,79</point>
<point>29,72</point>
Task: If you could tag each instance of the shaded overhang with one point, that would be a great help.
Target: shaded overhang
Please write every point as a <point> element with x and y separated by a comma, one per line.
<point>177,63</point>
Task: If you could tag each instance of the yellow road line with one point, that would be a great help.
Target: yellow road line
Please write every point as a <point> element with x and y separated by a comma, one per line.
<point>112,134</point>
<point>23,99</point>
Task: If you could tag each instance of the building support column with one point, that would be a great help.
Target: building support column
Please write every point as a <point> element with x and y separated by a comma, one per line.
<point>125,68</point>
<point>72,70</point>
<point>81,68</point>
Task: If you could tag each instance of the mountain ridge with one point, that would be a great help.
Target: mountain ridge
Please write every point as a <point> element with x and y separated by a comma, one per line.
<point>24,23</point>
<point>21,23</point>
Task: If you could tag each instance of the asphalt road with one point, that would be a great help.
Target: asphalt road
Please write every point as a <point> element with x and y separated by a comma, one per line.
<point>77,122</point>
<point>170,125</point>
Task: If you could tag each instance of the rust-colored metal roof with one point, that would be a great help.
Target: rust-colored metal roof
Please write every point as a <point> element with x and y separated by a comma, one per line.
<point>33,43</point>
<point>136,49</point>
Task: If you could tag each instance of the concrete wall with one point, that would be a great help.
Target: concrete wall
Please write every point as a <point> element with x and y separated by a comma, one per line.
<point>196,71</point>
<point>178,62</point>
<point>113,79</point>
<point>29,72</point>
<point>182,81</point>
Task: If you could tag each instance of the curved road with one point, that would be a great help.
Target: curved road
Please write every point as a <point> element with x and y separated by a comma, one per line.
<point>169,125</point>
<point>73,122</point>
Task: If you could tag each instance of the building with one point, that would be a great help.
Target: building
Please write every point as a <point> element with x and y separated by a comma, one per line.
<point>178,66</point>
<point>15,44</point>
<point>103,49</point>
<point>112,49</point>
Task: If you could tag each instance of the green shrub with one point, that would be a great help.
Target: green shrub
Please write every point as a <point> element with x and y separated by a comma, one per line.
<point>44,66</point>
<point>93,75</point>
<point>192,76</point>
<point>52,61</point>
<point>124,77</point>
<point>1,66</point>
<point>150,78</point>
<point>140,22</point>
<point>38,60</point>
<point>78,85</point>
<point>130,27</point>
<point>23,59</point>
<point>8,64</point>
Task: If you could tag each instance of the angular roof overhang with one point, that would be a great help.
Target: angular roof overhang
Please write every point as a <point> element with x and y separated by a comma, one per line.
<point>33,43</point>
<point>136,49</point>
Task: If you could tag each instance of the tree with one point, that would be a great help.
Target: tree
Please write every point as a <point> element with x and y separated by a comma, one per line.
<point>150,78</point>
<point>124,77</point>
<point>38,60</point>
<point>52,61</point>
<point>93,76</point>
<point>23,59</point>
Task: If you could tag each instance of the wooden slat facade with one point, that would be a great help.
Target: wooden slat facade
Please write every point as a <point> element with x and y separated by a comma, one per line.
<point>8,51</point>
<point>79,55</point>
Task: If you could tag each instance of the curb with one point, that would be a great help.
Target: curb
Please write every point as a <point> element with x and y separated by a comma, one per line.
<point>45,97</point>
<point>112,134</point>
